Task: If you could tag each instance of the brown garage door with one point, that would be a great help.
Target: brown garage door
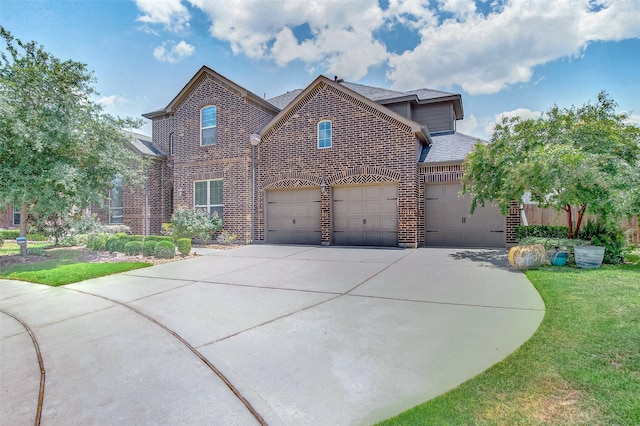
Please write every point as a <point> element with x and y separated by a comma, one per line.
<point>365,215</point>
<point>449,222</point>
<point>293,216</point>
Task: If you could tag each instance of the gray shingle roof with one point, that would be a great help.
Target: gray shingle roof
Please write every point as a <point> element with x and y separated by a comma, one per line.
<point>373,93</point>
<point>449,147</point>
<point>143,145</point>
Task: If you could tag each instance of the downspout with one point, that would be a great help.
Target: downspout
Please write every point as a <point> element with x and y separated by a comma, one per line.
<point>255,140</point>
<point>146,199</point>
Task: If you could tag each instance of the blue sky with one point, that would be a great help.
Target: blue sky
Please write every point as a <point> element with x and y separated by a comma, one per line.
<point>504,57</point>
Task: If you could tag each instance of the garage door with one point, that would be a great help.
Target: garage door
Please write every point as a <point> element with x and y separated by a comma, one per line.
<point>449,222</point>
<point>293,216</point>
<point>365,215</point>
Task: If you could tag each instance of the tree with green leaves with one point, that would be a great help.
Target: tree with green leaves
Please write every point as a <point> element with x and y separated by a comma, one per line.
<point>58,149</point>
<point>587,158</point>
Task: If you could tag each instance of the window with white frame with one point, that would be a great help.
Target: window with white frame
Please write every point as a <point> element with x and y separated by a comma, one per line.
<point>16,215</point>
<point>208,123</point>
<point>171,144</point>
<point>207,195</point>
<point>324,134</point>
<point>116,201</point>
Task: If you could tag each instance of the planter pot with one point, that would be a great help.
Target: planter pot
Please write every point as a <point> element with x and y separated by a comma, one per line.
<point>559,258</point>
<point>588,257</point>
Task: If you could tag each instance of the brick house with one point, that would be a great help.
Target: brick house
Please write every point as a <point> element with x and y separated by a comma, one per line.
<point>335,163</point>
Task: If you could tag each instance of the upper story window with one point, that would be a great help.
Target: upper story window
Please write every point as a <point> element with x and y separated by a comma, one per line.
<point>324,134</point>
<point>171,144</point>
<point>208,118</point>
<point>116,202</point>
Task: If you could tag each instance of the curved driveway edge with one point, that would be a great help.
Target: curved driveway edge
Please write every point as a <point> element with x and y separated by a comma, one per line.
<point>306,335</point>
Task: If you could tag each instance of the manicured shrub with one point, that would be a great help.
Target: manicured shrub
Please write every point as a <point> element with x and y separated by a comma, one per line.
<point>118,246</point>
<point>10,234</point>
<point>133,248</point>
<point>158,238</point>
<point>121,235</point>
<point>165,250</point>
<point>36,251</point>
<point>114,229</point>
<point>542,231</point>
<point>109,243</point>
<point>37,237</point>
<point>149,247</point>
<point>184,245</point>
<point>96,241</point>
<point>195,224</point>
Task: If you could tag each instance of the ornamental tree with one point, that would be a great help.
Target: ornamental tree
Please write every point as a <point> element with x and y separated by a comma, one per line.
<point>587,158</point>
<point>58,149</point>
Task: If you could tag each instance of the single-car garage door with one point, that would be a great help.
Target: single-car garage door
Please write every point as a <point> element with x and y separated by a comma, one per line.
<point>293,216</point>
<point>365,215</point>
<point>449,221</point>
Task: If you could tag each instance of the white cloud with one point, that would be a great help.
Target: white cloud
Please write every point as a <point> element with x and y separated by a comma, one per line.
<point>112,100</point>
<point>481,51</point>
<point>468,125</point>
<point>634,119</point>
<point>485,54</point>
<point>170,13</point>
<point>523,113</point>
<point>171,52</point>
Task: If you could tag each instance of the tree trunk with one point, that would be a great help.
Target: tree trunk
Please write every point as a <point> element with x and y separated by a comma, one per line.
<point>567,208</point>
<point>581,211</point>
<point>23,228</point>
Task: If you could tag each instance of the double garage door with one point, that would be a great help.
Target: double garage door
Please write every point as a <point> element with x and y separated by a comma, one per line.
<point>362,215</point>
<point>449,223</point>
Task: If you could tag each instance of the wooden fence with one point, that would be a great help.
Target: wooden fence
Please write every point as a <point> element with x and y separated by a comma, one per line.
<point>539,216</point>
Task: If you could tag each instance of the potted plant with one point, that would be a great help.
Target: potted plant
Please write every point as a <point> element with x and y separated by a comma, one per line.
<point>588,257</point>
<point>558,257</point>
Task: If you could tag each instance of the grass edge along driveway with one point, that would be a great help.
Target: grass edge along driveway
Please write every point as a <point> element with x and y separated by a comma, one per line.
<point>582,366</point>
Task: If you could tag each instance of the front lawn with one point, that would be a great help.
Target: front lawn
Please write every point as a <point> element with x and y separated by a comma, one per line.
<point>65,266</point>
<point>582,366</point>
<point>12,248</point>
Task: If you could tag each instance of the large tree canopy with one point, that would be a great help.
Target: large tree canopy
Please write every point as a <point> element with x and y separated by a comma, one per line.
<point>58,148</point>
<point>587,158</point>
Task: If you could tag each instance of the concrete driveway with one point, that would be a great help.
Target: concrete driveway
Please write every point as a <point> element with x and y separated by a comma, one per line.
<point>274,334</point>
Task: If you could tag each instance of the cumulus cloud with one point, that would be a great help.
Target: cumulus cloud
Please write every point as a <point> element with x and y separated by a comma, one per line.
<point>171,52</point>
<point>523,113</point>
<point>112,100</point>
<point>172,14</point>
<point>483,51</point>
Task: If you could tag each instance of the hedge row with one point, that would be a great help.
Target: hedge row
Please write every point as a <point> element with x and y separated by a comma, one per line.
<point>12,234</point>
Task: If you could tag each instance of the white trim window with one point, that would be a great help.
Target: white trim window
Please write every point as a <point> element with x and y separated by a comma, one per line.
<point>16,215</point>
<point>208,196</point>
<point>324,134</point>
<point>208,125</point>
<point>116,202</point>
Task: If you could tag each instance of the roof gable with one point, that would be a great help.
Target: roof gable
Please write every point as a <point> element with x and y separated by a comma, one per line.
<point>323,83</point>
<point>202,72</point>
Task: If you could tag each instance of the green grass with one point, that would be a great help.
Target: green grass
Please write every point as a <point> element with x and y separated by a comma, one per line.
<point>11,247</point>
<point>582,366</point>
<point>53,274</point>
<point>63,268</point>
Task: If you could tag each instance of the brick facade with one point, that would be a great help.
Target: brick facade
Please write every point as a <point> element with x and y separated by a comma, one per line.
<point>368,148</point>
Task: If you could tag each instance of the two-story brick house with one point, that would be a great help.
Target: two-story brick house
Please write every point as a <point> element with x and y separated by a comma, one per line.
<point>335,163</point>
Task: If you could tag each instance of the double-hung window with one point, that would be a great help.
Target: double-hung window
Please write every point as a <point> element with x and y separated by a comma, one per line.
<point>208,123</point>
<point>324,134</point>
<point>116,202</point>
<point>171,144</point>
<point>207,195</point>
<point>16,215</point>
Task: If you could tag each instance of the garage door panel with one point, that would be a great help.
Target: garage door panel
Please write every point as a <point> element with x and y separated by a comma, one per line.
<point>448,220</point>
<point>365,215</point>
<point>293,216</point>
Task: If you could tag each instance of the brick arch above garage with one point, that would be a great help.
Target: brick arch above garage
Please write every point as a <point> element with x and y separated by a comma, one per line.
<point>292,180</point>
<point>364,175</point>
